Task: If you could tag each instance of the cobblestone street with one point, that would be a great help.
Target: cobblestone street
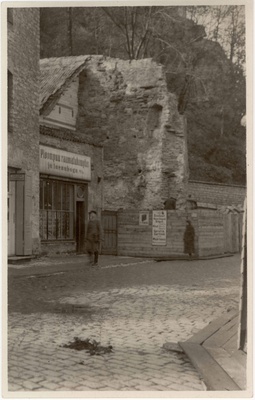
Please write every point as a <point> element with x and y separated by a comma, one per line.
<point>136,307</point>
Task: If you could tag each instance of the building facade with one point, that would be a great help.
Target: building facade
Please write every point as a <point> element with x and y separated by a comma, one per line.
<point>70,164</point>
<point>23,131</point>
<point>55,175</point>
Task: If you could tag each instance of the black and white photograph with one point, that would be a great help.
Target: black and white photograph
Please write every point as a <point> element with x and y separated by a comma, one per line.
<point>126,199</point>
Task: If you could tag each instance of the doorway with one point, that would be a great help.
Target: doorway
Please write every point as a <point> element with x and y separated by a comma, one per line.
<point>80,226</point>
<point>11,218</point>
<point>109,223</point>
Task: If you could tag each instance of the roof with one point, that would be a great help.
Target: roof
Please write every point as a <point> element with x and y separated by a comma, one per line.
<point>55,76</point>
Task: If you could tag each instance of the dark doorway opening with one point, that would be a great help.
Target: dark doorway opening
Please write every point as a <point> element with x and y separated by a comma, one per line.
<point>80,227</point>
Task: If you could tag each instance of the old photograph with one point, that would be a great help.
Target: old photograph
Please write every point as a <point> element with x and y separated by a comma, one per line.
<point>126,199</point>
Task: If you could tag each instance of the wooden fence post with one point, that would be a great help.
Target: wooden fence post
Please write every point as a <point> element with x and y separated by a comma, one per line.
<point>242,331</point>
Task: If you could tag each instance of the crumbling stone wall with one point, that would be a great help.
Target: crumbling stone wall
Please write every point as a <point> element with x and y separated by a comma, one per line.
<point>126,106</point>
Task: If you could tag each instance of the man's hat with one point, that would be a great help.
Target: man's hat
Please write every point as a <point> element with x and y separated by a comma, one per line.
<point>92,212</point>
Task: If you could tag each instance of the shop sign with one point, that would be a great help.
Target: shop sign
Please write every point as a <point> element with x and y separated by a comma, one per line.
<point>63,163</point>
<point>159,228</point>
<point>17,177</point>
<point>144,218</point>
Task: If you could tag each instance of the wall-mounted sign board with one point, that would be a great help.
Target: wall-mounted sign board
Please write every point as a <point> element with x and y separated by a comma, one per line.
<point>63,163</point>
<point>159,228</point>
<point>17,177</point>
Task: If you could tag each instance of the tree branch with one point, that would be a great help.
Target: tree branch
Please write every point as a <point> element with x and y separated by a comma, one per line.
<point>145,33</point>
<point>113,20</point>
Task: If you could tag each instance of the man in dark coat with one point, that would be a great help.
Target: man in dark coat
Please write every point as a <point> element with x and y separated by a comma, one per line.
<point>189,239</point>
<point>93,237</point>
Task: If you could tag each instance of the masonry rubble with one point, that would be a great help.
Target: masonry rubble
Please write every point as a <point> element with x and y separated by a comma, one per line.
<point>127,107</point>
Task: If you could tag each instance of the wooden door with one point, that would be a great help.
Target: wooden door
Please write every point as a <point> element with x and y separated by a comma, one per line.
<point>109,225</point>
<point>80,226</point>
<point>11,219</point>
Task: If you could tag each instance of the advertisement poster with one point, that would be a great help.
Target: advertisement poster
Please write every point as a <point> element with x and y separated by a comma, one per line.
<point>144,218</point>
<point>159,228</point>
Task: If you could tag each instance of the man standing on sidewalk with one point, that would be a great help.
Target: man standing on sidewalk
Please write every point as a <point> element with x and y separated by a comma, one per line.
<point>93,238</point>
<point>189,239</point>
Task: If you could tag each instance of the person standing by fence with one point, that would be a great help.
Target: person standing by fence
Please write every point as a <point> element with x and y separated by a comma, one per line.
<point>189,239</point>
<point>93,238</point>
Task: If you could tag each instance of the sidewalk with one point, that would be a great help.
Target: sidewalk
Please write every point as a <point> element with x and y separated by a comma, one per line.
<point>214,353</point>
<point>63,262</point>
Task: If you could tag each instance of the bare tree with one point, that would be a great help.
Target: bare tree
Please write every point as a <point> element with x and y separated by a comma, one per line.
<point>70,29</point>
<point>135,27</point>
<point>225,25</point>
<point>235,34</point>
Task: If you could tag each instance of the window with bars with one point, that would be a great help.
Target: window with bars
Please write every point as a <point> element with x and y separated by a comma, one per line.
<point>56,210</point>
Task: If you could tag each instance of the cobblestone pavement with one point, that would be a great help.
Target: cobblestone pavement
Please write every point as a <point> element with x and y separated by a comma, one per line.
<point>133,308</point>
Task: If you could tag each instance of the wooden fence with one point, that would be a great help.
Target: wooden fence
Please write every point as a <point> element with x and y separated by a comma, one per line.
<point>216,233</point>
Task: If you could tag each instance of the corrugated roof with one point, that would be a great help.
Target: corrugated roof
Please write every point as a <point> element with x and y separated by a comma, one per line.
<point>55,74</point>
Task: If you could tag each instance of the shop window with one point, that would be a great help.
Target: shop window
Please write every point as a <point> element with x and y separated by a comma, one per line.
<point>56,210</point>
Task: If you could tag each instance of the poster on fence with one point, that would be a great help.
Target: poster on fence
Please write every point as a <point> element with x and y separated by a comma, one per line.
<point>159,228</point>
<point>144,218</point>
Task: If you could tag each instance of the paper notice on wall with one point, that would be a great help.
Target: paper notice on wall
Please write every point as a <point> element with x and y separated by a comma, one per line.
<point>159,228</point>
<point>144,218</point>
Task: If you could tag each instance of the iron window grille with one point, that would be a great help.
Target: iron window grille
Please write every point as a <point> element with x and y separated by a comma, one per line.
<point>56,210</point>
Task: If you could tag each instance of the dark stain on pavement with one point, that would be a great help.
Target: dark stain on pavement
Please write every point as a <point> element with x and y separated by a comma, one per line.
<point>90,345</point>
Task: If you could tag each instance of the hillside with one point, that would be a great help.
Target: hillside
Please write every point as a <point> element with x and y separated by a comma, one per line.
<point>209,87</point>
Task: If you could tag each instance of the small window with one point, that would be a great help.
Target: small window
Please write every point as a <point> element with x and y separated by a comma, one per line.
<point>10,15</point>
<point>72,113</point>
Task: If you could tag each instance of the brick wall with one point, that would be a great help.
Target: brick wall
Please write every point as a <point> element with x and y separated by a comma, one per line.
<point>23,135</point>
<point>126,106</point>
<point>211,232</point>
<point>219,194</point>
